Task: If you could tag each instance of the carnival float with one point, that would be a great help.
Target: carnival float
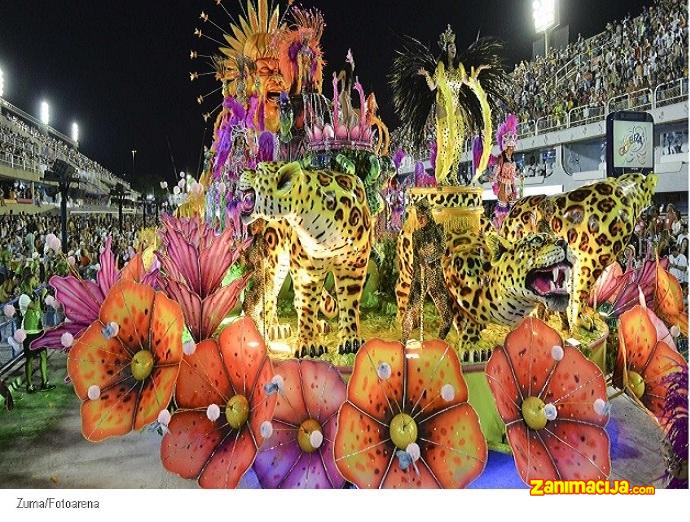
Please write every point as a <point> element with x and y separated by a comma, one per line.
<point>278,323</point>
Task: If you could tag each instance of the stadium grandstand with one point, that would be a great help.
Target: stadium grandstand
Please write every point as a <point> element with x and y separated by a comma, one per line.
<point>28,148</point>
<point>562,100</point>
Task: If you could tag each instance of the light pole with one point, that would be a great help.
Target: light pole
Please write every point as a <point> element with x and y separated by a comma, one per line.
<point>45,113</point>
<point>134,153</point>
<point>545,15</point>
<point>75,133</point>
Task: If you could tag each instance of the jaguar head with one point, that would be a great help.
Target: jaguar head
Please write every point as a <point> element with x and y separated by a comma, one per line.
<point>542,269</point>
<point>268,192</point>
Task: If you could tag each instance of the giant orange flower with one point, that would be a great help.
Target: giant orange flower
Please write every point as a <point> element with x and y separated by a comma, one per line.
<point>224,398</point>
<point>646,356</point>
<point>553,402</point>
<point>124,366</point>
<point>406,422</point>
<point>668,299</point>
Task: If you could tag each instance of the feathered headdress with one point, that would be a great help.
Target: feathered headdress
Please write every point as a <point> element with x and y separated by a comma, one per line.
<point>506,134</point>
<point>447,37</point>
<point>413,100</point>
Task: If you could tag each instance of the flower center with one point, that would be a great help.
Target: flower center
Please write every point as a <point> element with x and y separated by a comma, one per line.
<point>403,430</point>
<point>533,413</point>
<point>304,435</point>
<point>636,383</point>
<point>237,411</point>
<point>142,365</point>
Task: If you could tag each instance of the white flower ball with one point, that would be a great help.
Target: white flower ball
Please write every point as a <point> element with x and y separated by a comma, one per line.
<point>67,339</point>
<point>20,336</point>
<point>94,392</point>
<point>213,412</point>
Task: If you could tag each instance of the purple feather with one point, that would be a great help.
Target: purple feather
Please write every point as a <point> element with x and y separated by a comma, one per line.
<point>477,150</point>
<point>675,420</point>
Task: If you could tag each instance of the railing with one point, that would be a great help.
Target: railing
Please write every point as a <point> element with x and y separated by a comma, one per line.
<point>526,128</point>
<point>671,92</point>
<point>551,123</point>
<point>641,100</point>
<point>20,162</point>
<point>586,114</point>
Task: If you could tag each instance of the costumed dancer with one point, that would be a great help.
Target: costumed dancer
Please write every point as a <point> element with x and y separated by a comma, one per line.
<point>31,314</point>
<point>505,177</point>
<point>428,246</point>
<point>463,102</point>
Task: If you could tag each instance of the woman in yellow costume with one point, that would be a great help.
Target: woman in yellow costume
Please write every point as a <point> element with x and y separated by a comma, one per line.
<point>465,88</point>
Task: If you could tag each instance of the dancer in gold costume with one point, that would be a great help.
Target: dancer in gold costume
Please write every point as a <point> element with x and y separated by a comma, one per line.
<point>463,101</point>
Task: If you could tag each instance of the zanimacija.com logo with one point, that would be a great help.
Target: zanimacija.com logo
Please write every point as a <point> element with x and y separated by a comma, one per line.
<point>587,487</point>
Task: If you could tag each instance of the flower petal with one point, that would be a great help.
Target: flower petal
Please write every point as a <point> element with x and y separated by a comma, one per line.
<point>636,338</point>
<point>380,398</point>
<point>531,458</point>
<point>277,456</point>
<point>669,303</point>
<point>453,446</point>
<point>80,299</point>
<point>95,360</point>
<point>107,274</point>
<point>244,354</point>
<point>230,460</point>
<point>580,452</point>
<point>503,386</point>
<point>155,395</point>
<point>112,413</point>
<point>215,260</point>
<point>330,428</point>
<point>308,473</point>
<point>190,303</point>
<point>362,448</point>
<point>51,337</point>
<point>290,406</point>
<point>203,379</point>
<point>262,404</point>
<point>323,388</point>
<point>218,305</point>
<point>189,442</point>
<point>130,306</point>
<point>528,348</point>
<point>411,478</point>
<point>664,361</point>
<point>575,385</point>
<point>167,323</point>
<point>134,270</point>
<point>437,365</point>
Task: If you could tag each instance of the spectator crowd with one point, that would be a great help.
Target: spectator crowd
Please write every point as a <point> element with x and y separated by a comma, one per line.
<point>630,55</point>
<point>31,148</point>
<point>27,261</point>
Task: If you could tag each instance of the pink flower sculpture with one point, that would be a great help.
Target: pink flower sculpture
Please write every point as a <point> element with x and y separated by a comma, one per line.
<point>554,405</point>
<point>194,261</point>
<point>82,299</point>
<point>299,451</point>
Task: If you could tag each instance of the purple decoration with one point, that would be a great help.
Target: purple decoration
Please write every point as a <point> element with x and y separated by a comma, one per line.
<point>421,178</point>
<point>398,157</point>
<point>433,152</point>
<point>509,125</point>
<point>477,150</point>
<point>266,146</point>
<point>675,420</point>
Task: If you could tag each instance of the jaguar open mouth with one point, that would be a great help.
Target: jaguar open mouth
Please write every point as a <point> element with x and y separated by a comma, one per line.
<point>550,281</point>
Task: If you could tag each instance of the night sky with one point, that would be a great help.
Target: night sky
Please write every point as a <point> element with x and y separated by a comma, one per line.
<point>121,68</point>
